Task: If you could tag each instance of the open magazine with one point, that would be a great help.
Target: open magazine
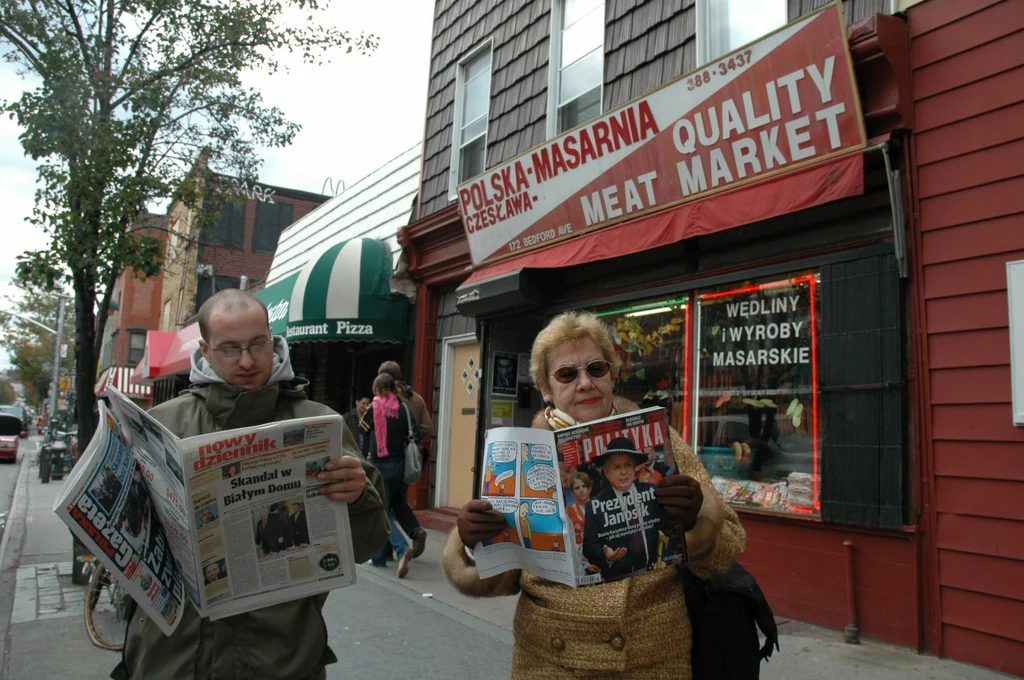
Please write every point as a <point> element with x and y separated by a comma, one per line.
<point>232,520</point>
<point>579,503</point>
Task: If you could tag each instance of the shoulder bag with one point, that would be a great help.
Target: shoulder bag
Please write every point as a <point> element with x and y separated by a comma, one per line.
<point>413,461</point>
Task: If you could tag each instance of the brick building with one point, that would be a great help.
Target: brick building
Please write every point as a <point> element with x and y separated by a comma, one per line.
<point>240,244</point>
<point>135,309</point>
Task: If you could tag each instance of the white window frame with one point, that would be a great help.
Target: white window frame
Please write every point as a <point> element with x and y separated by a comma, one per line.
<point>460,88</point>
<point>555,65</point>
<point>704,23</point>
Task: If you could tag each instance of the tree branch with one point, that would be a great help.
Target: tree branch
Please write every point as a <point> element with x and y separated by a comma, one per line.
<point>136,43</point>
<point>192,59</point>
<point>30,51</point>
<point>82,42</point>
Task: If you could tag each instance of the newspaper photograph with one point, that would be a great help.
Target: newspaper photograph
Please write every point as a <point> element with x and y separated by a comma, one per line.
<point>159,460</point>
<point>232,520</point>
<point>579,503</point>
<point>107,505</point>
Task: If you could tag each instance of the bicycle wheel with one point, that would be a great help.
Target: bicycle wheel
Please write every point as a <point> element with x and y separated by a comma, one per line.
<point>106,610</point>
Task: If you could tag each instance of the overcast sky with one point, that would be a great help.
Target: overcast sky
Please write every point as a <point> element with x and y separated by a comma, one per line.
<point>356,113</point>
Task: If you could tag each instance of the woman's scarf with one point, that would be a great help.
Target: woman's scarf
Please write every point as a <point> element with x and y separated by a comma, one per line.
<point>383,408</point>
<point>560,419</point>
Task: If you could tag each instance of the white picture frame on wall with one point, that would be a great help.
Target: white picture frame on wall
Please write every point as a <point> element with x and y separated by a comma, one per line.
<point>1015,306</point>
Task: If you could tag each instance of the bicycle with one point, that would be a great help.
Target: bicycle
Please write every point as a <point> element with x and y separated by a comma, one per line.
<point>107,609</point>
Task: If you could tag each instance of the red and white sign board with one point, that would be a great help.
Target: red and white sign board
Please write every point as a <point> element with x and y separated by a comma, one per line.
<point>777,105</point>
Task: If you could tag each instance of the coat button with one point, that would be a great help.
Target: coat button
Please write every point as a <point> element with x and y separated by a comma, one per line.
<point>558,643</point>
<point>618,643</point>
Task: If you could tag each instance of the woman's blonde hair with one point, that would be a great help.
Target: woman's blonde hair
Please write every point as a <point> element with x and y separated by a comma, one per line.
<point>570,327</point>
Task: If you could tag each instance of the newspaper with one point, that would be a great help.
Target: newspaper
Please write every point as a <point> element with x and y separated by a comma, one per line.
<point>576,513</point>
<point>231,521</point>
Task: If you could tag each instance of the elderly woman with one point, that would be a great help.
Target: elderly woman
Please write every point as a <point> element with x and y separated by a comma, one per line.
<point>637,627</point>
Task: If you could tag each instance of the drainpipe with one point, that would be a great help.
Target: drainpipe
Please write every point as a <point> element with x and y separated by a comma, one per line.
<point>852,631</point>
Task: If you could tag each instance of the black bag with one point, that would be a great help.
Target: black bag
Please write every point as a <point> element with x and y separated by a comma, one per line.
<point>723,613</point>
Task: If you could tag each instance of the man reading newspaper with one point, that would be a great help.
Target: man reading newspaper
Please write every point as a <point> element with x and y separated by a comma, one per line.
<point>242,377</point>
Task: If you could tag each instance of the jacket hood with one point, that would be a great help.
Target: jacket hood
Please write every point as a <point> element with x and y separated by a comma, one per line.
<point>203,374</point>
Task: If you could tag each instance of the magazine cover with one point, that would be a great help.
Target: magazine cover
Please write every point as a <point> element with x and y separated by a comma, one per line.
<point>579,504</point>
<point>610,469</point>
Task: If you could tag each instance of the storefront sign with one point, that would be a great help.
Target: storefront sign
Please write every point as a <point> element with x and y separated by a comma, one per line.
<point>782,103</point>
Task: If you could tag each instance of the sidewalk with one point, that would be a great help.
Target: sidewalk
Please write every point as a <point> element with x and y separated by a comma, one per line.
<point>807,652</point>
<point>40,610</point>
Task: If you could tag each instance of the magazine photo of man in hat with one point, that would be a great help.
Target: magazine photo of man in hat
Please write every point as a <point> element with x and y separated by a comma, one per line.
<point>626,531</point>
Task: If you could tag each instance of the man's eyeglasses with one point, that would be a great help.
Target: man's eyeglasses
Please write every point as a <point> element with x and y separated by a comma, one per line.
<point>256,350</point>
<point>598,368</point>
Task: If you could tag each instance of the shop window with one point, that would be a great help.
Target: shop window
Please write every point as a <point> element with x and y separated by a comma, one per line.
<point>724,25</point>
<point>757,397</point>
<point>229,230</point>
<point>576,68</point>
<point>472,103</point>
<point>208,285</point>
<point>271,220</point>
<point>650,339</point>
<point>136,347</point>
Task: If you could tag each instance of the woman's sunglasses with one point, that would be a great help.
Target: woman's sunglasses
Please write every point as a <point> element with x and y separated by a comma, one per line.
<point>567,375</point>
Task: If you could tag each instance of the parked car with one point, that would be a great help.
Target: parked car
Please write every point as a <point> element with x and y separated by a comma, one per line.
<point>10,429</point>
<point>19,413</point>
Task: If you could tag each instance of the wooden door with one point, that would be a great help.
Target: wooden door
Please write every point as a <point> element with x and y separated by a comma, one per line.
<point>463,402</point>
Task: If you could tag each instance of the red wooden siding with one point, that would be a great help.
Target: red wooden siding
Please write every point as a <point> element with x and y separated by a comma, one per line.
<point>786,556</point>
<point>968,149</point>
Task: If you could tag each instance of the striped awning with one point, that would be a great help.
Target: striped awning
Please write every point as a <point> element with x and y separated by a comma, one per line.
<point>120,378</point>
<point>343,293</point>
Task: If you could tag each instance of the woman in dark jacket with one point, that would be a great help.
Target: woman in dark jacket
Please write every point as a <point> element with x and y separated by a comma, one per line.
<point>386,427</point>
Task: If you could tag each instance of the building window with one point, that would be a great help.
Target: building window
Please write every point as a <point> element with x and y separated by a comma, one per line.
<point>229,231</point>
<point>724,25</point>
<point>577,63</point>
<point>650,339</point>
<point>271,220</point>
<point>136,347</point>
<point>757,393</point>
<point>472,102</point>
<point>208,285</point>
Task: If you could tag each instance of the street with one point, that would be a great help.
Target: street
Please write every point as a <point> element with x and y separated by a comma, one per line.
<point>418,627</point>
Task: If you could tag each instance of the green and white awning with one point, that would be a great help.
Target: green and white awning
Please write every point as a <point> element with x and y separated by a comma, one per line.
<point>278,298</point>
<point>342,294</point>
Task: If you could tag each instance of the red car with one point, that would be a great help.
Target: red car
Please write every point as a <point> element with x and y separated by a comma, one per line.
<point>10,430</point>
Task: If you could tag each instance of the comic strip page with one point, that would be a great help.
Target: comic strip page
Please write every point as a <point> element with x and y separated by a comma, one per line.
<point>521,482</point>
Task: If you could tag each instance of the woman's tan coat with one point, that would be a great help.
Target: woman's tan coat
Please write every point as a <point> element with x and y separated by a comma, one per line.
<point>635,628</point>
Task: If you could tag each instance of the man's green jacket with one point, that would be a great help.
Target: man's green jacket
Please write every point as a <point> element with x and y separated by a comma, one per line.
<point>282,641</point>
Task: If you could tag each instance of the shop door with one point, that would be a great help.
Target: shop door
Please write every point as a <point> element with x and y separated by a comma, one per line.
<point>463,400</point>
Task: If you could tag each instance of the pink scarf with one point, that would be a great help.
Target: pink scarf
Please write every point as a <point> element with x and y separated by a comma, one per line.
<point>383,408</point>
